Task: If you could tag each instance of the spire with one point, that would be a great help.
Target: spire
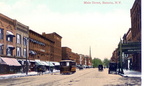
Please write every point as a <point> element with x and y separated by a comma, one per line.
<point>90,51</point>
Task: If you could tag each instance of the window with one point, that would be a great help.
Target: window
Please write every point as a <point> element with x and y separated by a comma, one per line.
<point>9,38</point>
<point>18,39</point>
<point>1,50</point>
<point>25,53</point>
<point>24,41</point>
<point>9,52</point>
<point>18,51</point>
<point>1,33</point>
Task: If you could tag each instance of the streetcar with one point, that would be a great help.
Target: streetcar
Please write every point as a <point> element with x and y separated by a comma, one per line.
<point>67,67</point>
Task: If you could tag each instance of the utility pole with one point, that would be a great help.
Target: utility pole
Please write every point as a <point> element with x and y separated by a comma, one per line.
<point>27,56</point>
<point>121,63</point>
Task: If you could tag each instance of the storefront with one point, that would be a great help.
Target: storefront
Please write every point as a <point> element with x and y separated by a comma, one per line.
<point>9,65</point>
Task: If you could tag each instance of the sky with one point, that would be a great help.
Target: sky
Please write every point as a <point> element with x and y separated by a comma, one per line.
<point>98,24</point>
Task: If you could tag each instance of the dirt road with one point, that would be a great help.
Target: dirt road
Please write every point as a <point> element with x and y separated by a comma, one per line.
<point>86,77</point>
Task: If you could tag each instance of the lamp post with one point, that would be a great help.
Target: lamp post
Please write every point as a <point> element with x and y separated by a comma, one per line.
<point>27,56</point>
<point>121,63</point>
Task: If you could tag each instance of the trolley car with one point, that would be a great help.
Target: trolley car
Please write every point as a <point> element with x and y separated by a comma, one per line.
<point>67,67</point>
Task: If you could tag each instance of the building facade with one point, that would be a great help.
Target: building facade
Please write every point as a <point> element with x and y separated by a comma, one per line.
<point>136,32</point>
<point>8,61</point>
<point>7,36</point>
<point>40,47</point>
<point>66,53</point>
<point>22,45</point>
<point>136,21</point>
<point>131,44</point>
<point>57,45</point>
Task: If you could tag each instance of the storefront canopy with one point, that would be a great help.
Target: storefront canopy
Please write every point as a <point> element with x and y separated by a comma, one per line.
<point>50,63</point>
<point>32,52</point>
<point>9,61</point>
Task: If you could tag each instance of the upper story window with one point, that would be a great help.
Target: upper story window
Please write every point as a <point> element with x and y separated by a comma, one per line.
<point>9,50</point>
<point>25,41</point>
<point>25,53</point>
<point>1,49</point>
<point>18,51</point>
<point>9,36</point>
<point>1,33</point>
<point>18,39</point>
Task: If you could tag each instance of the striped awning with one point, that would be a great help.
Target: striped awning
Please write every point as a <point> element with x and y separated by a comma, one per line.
<point>9,61</point>
<point>10,46</point>
<point>10,34</point>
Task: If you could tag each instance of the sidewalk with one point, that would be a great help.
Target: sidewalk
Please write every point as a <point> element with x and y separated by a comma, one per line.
<point>131,73</point>
<point>8,76</point>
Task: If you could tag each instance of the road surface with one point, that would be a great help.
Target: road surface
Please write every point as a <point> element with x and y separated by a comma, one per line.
<point>85,77</point>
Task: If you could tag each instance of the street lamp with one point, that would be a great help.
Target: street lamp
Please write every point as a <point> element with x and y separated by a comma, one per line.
<point>27,56</point>
<point>120,58</point>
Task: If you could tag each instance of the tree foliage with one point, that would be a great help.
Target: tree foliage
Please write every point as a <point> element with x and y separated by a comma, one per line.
<point>106,62</point>
<point>96,62</point>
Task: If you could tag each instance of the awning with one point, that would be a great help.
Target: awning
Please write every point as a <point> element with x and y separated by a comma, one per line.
<point>10,34</point>
<point>1,44</point>
<point>10,46</point>
<point>49,63</point>
<point>38,62</point>
<point>56,63</point>
<point>9,61</point>
<point>32,52</point>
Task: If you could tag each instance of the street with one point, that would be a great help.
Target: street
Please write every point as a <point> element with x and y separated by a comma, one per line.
<point>85,77</point>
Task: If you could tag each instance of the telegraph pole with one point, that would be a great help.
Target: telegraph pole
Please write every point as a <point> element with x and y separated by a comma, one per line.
<point>27,56</point>
<point>121,63</point>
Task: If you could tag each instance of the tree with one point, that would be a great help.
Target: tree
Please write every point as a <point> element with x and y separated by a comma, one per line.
<point>96,62</point>
<point>106,62</point>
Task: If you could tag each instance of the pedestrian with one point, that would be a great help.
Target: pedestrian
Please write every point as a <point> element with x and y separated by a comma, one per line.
<point>51,70</point>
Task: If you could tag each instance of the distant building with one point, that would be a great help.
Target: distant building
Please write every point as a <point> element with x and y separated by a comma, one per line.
<point>40,48</point>
<point>66,53</point>
<point>57,45</point>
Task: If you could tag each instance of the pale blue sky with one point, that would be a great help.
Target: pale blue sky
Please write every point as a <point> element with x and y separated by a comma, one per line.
<point>81,25</point>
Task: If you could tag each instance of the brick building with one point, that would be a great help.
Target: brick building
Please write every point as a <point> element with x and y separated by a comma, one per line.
<point>7,36</point>
<point>8,62</point>
<point>132,40</point>
<point>115,57</point>
<point>40,47</point>
<point>136,32</point>
<point>136,21</point>
<point>57,45</point>
<point>75,57</point>
<point>66,53</point>
<point>22,47</point>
